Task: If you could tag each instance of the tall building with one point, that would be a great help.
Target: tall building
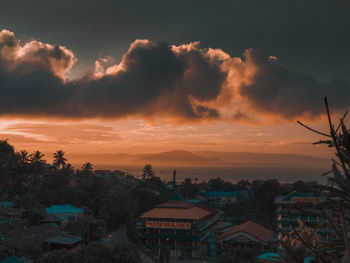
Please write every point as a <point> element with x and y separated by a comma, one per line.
<point>178,229</point>
<point>301,206</point>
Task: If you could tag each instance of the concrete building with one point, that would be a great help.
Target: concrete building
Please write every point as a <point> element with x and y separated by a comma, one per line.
<point>301,206</point>
<point>179,228</point>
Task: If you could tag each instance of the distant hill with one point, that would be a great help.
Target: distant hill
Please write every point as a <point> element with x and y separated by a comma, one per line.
<point>213,158</point>
<point>171,157</point>
<point>262,158</point>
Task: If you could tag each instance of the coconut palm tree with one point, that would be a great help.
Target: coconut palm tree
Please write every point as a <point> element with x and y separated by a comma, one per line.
<point>23,158</point>
<point>36,160</point>
<point>58,159</point>
<point>87,169</point>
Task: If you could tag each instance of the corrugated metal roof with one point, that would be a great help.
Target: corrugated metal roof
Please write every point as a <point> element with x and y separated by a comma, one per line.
<point>64,240</point>
<point>177,210</point>
<point>250,228</point>
<point>63,209</point>
<point>11,260</point>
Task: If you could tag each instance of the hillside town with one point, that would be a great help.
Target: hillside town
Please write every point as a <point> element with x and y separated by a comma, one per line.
<point>51,212</point>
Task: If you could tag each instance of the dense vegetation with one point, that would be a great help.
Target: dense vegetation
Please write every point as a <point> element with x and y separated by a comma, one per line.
<point>110,202</point>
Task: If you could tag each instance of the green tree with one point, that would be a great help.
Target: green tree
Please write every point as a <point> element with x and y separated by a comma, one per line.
<point>147,172</point>
<point>23,159</point>
<point>7,157</point>
<point>58,159</point>
<point>59,256</point>
<point>87,169</point>
<point>337,205</point>
<point>94,253</point>
<point>119,206</point>
<point>36,160</point>
<point>88,227</point>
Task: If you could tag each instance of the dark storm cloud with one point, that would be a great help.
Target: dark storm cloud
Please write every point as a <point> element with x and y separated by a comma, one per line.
<point>157,80</point>
<point>310,36</point>
<point>279,91</point>
<point>152,79</point>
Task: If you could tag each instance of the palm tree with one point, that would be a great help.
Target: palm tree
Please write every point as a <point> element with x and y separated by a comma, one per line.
<point>23,158</point>
<point>58,159</point>
<point>87,169</point>
<point>36,159</point>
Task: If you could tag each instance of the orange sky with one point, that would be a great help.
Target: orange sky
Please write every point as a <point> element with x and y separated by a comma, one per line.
<point>159,97</point>
<point>137,136</point>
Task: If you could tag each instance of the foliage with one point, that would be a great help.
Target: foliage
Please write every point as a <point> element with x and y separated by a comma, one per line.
<point>58,159</point>
<point>94,253</point>
<point>337,205</point>
<point>127,254</point>
<point>87,169</point>
<point>147,172</point>
<point>119,207</point>
<point>188,189</point>
<point>88,227</point>
<point>36,160</point>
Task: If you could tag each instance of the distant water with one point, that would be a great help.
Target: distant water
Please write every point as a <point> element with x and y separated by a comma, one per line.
<point>233,174</point>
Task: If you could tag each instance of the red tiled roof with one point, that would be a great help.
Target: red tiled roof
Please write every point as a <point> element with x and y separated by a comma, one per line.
<point>177,210</point>
<point>250,228</point>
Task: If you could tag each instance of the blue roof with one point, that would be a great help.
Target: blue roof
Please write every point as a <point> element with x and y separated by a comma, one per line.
<point>220,194</point>
<point>11,260</point>
<point>176,197</point>
<point>308,259</point>
<point>194,201</point>
<point>54,209</point>
<point>270,256</point>
<point>6,203</point>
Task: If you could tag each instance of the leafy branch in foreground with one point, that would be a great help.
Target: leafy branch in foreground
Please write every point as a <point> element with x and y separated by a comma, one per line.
<point>336,206</point>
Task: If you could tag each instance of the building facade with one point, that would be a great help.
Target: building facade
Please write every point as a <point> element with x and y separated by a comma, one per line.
<point>305,207</point>
<point>178,229</point>
<point>248,235</point>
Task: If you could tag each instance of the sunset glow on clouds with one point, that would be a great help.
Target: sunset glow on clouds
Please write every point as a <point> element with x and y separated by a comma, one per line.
<point>157,81</point>
<point>181,96</point>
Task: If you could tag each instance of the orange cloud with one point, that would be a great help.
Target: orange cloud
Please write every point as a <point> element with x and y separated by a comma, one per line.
<point>158,81</point>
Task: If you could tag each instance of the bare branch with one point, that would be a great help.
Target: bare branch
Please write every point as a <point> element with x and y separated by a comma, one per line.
<point>341,121</point>
<point>324,134</point>
<point>335,140</point>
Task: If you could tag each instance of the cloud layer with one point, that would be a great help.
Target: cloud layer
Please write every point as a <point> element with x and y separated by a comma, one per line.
<point>157,81</point>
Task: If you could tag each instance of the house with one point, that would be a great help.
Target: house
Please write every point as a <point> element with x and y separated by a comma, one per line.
<point>46,235</point>
<point>64,212</point>
<point>7,204</point>
<point>13,259</point>
<point>178,227</point>
<point>220,198</point>
<point>50,218</point>
<point>248,235</point>
<point>10,215</point>
<point>304,206</point>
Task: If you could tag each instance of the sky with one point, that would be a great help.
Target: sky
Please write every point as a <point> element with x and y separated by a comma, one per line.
<point>105,77</point>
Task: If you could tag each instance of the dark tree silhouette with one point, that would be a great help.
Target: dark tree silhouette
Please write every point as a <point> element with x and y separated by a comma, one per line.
<point>147,172</point>
<point>87,169</point>
<point>36,160</point>
<point>58,159</point>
